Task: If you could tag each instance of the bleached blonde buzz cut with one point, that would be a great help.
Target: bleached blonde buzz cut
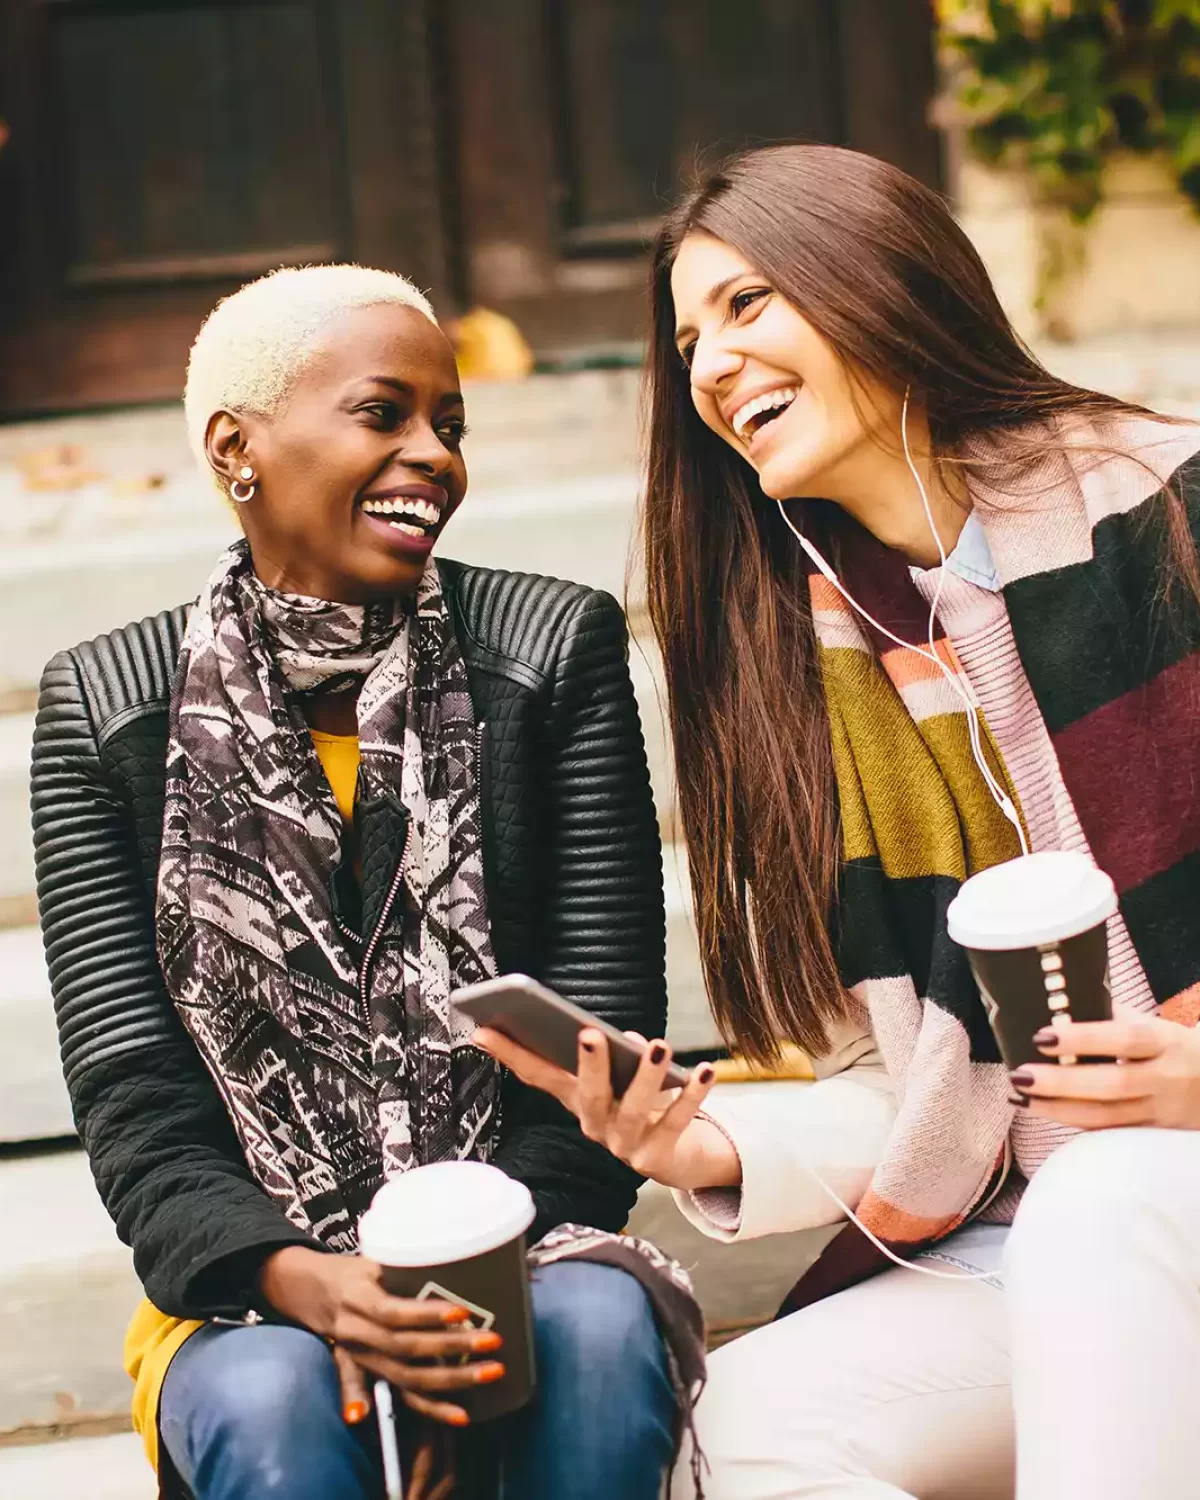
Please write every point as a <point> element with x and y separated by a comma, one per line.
<point>256,342</point>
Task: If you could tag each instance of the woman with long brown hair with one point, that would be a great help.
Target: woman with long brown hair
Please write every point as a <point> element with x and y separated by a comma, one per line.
<point>923,606</point>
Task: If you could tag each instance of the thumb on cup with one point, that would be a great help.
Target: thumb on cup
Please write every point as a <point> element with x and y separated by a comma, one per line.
<point>356,1394</point>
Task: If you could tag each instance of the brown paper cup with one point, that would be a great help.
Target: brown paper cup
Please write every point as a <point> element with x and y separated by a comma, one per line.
<point>1035,930</point>
<point>455,1232</point>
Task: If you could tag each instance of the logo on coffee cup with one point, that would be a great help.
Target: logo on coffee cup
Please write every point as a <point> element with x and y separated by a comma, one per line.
<point>481,1317</point>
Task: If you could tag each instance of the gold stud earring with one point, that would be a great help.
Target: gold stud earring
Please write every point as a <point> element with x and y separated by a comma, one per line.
<point>244,481</point>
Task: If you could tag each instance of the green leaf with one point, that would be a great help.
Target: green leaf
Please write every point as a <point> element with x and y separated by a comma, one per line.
<point>1056,86</point>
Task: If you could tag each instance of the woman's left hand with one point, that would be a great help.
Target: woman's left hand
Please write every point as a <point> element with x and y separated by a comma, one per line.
<point>1156,1081</point>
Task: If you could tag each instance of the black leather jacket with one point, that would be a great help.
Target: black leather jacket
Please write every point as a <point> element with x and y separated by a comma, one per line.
<point>574,879</point>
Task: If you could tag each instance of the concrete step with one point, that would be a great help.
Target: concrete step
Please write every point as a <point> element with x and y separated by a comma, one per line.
<point>16,842</point>
<point>526,430</point>
<point>95,1468</point>
<point>67,1288</point>
<point>33,1097</point>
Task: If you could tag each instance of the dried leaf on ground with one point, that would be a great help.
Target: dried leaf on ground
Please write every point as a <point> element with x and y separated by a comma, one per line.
<point>64,467</point>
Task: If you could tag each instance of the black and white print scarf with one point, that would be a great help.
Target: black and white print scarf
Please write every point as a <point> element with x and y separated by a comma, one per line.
<point>333,1080</point>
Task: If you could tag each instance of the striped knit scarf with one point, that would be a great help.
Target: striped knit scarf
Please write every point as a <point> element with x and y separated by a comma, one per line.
<point>1080,552</point>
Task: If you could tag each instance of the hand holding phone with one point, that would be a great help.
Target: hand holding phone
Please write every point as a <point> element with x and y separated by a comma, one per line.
<point>617,1085</point>
<point>535,1017</point>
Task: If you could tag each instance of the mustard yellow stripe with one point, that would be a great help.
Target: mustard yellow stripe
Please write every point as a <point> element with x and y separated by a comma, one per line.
<point>910,794</point>
<point>858,840</point>
<point>989,837</point>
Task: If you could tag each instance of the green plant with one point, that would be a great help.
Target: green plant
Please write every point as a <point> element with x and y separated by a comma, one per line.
<point>1059,86</point>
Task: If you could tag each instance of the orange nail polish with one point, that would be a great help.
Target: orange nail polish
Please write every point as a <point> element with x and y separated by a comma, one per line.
<point>458,1419</point>
<point>355,1411</point>
<point>484,1343</point>
<point>489,1372</point>
<point>456,1315</point>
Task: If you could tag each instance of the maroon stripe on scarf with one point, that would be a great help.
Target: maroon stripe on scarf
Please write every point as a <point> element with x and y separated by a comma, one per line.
<point>876,575</point>
<point>1146,739</point>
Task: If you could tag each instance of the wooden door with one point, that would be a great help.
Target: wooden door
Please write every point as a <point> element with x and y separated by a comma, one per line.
<point>514,153</point>
<point>164,151</point>
<point>578,119</point>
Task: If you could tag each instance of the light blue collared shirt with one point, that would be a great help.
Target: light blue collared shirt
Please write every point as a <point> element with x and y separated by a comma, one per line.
<point>972,557</point>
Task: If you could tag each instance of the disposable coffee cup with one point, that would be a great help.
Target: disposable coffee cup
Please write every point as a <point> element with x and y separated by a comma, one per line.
<point>1035,929</point>
<point>455,1232</point>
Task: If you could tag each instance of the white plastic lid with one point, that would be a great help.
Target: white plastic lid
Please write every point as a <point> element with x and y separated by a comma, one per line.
<point>444,1212</point>
<point>1034,899</point>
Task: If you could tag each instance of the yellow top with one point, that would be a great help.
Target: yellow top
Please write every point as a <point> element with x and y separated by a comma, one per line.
<point>153,1339</point>
<point>338,754</point>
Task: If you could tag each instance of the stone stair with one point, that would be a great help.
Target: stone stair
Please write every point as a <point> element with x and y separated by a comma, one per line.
<point>100,1468</point>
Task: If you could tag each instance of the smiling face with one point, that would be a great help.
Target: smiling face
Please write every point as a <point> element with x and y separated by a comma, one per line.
<point>360,471</point>
<point>765,380</point>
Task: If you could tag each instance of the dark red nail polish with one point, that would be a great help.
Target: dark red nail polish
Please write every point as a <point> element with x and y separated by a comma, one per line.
<point>1022,1080</point>
<point>704,1074</point>
<point>588,1047</point>
<point>1019,1100</point>
<point>1047,1037</point>
<point>657,1053</point>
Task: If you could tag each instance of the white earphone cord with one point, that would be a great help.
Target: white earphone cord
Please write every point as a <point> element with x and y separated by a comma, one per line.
<point>975,734</point>
<point>999,795</point>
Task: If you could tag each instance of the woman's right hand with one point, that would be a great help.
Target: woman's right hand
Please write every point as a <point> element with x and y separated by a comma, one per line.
<point>341,1298</point>
<point>656,1132</point>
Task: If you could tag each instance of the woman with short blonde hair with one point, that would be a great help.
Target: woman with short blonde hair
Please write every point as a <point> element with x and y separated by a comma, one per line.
<point>275,830</point>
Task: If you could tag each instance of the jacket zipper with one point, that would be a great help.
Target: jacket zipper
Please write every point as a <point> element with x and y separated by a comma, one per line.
<point>346,930</point>
<point>250,1319</point>
<point>364,974</point>
<point>481,789</point>
<point>481,792</point>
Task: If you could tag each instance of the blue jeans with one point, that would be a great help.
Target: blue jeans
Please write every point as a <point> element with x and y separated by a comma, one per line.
<point>249,1412</point>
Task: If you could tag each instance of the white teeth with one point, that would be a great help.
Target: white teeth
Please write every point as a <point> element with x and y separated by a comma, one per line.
<point>406,528</point>
<point>420,510</point>
<point>768,401</point>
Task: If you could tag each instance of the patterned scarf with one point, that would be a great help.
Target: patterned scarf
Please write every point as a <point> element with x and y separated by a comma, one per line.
<point>340,1060</point>
<point>1080,555</point>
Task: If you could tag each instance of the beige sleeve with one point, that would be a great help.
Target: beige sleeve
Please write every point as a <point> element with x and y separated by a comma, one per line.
<point>791,1137</point>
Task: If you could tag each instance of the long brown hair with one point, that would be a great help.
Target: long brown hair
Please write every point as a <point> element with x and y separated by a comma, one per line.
<point>878,266</point>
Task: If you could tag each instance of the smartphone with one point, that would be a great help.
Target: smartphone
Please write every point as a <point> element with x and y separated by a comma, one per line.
<point>535,1017</point>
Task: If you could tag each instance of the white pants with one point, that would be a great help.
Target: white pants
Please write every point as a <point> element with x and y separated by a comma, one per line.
<point>1080,1379</point>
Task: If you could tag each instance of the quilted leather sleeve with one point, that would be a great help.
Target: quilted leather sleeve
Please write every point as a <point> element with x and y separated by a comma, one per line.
<point>603,928</point>
<point>166,1161</point>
